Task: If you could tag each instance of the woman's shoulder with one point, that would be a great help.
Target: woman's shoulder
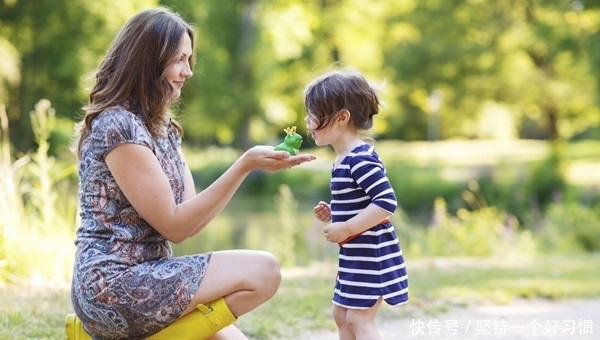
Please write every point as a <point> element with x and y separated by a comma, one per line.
<point>118,118</point>
<point>117,125</point>
<point>116,114</point>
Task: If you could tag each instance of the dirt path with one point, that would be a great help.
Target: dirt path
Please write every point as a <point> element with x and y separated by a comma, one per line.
<point>522,319</point>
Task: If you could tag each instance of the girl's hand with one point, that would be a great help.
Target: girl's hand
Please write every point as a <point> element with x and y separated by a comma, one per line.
<point>336,232</point>
<point>322,212</point>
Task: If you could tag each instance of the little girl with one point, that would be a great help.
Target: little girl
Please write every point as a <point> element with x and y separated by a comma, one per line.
<point>340,107</point>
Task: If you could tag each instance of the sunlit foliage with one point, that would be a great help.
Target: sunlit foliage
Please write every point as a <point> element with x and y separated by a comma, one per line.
<point>452,69</point>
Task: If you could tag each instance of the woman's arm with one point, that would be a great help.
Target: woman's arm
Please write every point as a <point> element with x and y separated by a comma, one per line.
<point>147,188</point>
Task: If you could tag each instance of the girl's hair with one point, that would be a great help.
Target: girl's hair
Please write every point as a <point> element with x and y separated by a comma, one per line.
<point>133,73</point>
<point>338,90</point>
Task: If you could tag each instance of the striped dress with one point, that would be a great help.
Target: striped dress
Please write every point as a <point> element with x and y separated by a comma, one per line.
<point>371,264</point>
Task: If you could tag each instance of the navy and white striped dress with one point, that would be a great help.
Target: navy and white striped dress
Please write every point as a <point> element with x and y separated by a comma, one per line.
<point>371,264</point>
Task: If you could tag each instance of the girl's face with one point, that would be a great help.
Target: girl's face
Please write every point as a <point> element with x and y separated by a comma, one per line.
<point>321,137</point>
<point>180,70</point>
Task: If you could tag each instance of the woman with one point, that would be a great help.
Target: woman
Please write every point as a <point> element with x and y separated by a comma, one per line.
<point>137,194</point>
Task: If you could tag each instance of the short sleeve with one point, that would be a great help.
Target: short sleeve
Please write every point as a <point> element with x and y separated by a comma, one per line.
<point>118,126</point>
<point>369,174</point>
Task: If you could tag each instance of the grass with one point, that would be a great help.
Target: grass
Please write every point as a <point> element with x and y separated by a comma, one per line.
<point>33,311</point>
<point>500,280</point>
<point>303,301</point>
<point>37,311</point>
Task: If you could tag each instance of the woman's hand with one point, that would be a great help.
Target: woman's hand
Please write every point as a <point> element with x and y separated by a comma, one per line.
<point>266,158</point>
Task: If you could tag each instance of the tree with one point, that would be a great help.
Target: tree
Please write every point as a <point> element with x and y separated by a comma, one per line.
<point>524,55</point>
<point>221,100</point>
<point>60,43</point>
<point>452,69</point>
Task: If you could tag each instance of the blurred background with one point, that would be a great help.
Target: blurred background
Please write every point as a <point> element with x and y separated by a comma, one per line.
<point>490,126</point>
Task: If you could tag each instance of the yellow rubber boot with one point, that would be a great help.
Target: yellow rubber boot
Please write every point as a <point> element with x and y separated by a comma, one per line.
<point>200,324</point>
<point>75,330</point>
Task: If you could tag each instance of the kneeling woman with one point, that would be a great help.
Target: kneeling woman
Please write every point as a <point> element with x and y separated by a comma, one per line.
<point>137,194</point>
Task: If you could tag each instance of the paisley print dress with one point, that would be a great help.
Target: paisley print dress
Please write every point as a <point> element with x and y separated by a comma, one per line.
<point>126,283</point>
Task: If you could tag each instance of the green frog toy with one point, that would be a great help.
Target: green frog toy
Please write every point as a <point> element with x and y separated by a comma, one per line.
<point>292,141</point>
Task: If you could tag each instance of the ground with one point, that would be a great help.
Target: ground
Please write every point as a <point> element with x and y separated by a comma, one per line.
<point>520,319</point>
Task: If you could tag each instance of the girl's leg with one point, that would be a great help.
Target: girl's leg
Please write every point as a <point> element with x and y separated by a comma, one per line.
<point>340,315</point>
<point>244,278</point>
<point>362,322</point>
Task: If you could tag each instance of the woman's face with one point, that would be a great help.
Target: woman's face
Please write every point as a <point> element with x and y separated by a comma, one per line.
<point>181,70</point>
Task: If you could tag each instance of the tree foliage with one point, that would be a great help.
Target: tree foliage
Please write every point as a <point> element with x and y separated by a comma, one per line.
<point>451,68</point>
<point>59,43</point>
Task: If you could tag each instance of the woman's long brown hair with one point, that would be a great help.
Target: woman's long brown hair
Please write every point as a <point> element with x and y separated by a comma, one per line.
<point>133,73</point>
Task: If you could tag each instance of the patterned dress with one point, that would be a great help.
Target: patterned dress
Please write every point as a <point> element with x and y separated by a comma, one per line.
<point>371,264</point>
<point>126,282</point>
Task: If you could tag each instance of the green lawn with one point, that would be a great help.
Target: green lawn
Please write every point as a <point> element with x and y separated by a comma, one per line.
<point>303,301</point>
<point>37,311</point>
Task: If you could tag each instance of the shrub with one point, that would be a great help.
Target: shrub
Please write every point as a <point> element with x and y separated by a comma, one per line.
<point>571,227</point>
<point>469,233</point>
<point>411,236</point>
<point>38,207</point>
<point>482,231</point>
<point>417,188</point>
<point>547,183</point>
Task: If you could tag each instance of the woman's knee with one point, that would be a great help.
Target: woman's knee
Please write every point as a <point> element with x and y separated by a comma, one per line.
<point>240,271</point>
<point>268,272</point>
